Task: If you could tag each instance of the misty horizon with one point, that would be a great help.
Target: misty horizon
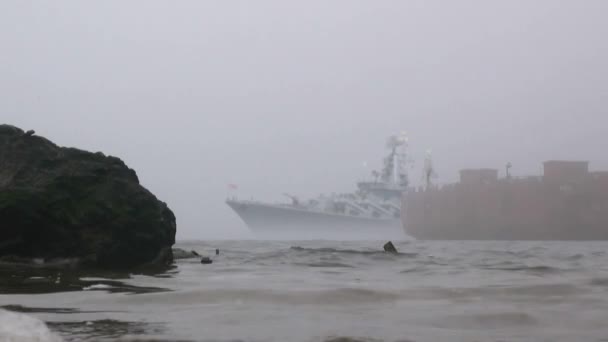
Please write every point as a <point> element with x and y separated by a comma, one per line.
<point>295,97</point>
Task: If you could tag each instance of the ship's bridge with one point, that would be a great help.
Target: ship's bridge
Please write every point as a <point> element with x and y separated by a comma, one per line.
<point>386,191</point>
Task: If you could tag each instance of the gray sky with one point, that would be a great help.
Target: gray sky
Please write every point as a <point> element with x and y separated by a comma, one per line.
<point>293,96</point>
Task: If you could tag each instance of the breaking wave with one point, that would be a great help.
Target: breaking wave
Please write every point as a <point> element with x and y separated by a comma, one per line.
<point>18,327</point>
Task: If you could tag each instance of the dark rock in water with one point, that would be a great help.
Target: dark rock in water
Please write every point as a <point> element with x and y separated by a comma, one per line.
<point>206,260</point>
<point>390,248</point>
<point>58,202</point>
<point>179,253</point>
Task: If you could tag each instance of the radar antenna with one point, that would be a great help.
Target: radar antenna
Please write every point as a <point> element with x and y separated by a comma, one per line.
<point>397,140</point>
<point>395,163</point>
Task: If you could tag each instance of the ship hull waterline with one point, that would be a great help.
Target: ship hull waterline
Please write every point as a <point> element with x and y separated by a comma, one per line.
<point>279,222</point>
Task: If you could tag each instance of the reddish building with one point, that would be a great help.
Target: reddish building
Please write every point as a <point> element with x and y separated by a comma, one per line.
<point>478,176</point>
<point>566,203</point>
<point>565,172</point>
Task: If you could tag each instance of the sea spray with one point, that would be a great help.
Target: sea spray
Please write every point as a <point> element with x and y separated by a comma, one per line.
<point>18,327</point>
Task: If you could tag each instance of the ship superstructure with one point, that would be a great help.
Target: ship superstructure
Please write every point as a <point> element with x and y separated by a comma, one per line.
<point>373,211</point>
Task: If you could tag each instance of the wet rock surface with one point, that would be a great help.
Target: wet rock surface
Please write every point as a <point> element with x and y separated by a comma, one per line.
<point>64,205</point>
<point>390,248</point>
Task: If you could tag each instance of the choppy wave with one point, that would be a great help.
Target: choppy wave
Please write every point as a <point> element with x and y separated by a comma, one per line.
<point>599,282</point>
<point>108,330</point>
<point>334,296</point>
<point>97,287</point>
<point>334,250</point>
<point>542,269</point>
<point>324,264</point>
<point>350,251</point>
<point>324,257</point>
<point>335,292</point>
<point>350,339</point>
<point>488,320</point>
<point>508,293</point>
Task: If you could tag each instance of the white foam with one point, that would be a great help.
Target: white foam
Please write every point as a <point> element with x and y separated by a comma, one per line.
<point>97,287</point>
<point>17,327</point>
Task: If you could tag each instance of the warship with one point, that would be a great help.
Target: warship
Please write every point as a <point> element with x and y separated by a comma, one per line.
<point>373,211</point>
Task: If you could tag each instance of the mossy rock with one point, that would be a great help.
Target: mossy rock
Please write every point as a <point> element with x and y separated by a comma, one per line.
<point>58,202</point>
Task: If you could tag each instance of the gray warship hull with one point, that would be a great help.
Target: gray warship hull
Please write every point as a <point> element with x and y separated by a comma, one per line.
<point>269,221</point>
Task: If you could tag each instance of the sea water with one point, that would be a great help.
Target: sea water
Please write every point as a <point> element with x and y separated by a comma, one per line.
<point>330,291</point>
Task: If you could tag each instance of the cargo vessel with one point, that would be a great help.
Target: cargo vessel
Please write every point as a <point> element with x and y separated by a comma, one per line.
<point>567,202</point>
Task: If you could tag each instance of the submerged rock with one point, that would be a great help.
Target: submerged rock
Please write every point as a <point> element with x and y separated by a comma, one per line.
<point>64,203</point>
<point>390,248</point>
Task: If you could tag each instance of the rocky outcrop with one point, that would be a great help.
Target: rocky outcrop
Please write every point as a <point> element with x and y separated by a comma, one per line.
<point>58,203</point>
<point>390,248</point>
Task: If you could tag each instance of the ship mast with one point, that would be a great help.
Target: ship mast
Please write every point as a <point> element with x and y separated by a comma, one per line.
<point>395,167</point>
<point>394,172</point>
